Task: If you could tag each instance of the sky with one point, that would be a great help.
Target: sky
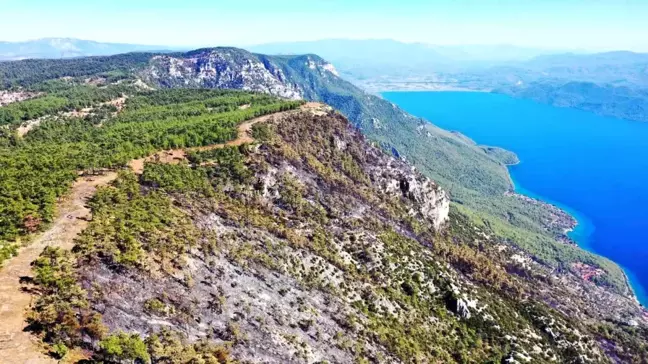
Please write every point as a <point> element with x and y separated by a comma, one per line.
<point>547,24</point>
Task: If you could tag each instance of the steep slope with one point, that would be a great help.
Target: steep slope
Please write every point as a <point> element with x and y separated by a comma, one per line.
<point>41,188</point>
<point>477,180</point>
<point>310,246</point>
<point>38,167</point>
<point>436,152</point>
<point>447,158</point>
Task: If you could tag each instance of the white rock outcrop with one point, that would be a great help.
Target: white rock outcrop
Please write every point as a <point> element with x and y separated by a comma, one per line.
<point>427,200</point>
<point>220,69</point>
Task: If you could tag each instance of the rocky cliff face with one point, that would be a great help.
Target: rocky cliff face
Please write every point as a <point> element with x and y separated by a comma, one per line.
<point>438,154</point>
<point>428,201</point>
<point>234,69</point>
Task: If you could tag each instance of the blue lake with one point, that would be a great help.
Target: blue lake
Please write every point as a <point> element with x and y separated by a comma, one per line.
<point>594,167</point>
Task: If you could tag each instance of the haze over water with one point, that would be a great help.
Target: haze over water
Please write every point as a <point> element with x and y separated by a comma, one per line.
<point>594,167</point>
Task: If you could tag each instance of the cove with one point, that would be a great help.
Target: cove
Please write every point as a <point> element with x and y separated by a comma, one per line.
<point>594,167</point>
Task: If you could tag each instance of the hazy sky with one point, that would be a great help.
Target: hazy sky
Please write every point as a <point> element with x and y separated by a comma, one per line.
<point>571,24</point>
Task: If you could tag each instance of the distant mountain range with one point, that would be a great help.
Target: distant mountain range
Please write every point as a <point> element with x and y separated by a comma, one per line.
<point>611,83</point>
<point>392,51</point>
<point>367,59</point>
<point>67,48</point>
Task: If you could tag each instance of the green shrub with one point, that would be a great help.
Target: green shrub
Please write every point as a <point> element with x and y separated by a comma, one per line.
<point>61,310</point>
<point>7,251</point>
<point>263,132</point>
<point>157,307</point>
<point>59,350</point>
<point>124,348</point>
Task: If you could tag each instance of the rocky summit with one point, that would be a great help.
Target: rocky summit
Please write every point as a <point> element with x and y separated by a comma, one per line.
<point>234,69</point>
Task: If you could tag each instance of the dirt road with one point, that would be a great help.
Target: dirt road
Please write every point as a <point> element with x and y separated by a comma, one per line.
<point>17,346</point>
<point>244,137</point>
<point>20,347</point>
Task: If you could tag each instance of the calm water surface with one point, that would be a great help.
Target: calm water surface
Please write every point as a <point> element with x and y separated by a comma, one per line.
<point>594,167</point>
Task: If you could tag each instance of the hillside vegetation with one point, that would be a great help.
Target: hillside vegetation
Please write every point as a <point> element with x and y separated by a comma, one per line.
<point>38,168</point>
<point>623,102</point>
<point>321,241</point>
<point>296,250</point>
<point>476,178</point>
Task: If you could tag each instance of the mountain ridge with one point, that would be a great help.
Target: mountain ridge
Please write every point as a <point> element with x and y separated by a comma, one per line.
<point>315,214</point>
<point>476,179</point>
<point>233,261</point>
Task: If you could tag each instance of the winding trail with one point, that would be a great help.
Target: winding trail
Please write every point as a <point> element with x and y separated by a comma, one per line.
<point>177,155</point>
<point>18,346</point>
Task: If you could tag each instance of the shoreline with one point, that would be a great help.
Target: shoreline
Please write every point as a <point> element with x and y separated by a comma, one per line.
<point>581,221</point>
<point>564,222</point>
<point>580,234</point>
<point>629,276</point>
<point>454,89</point>
<point>379,88</point>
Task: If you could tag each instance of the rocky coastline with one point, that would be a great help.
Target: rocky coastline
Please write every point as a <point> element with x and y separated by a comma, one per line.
<point>561,224</point>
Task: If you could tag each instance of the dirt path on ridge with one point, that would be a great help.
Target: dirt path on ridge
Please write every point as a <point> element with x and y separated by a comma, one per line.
<point>20,347</point>
<point>16,345</point>
<point>177,155</point>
